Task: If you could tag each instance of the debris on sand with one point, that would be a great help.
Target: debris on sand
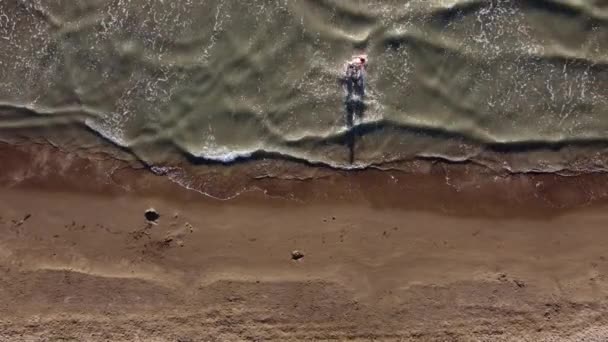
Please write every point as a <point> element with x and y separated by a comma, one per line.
<point>152,215</point>
<point>297,255</point>
<point>519,283</point>
<point>22,221</point>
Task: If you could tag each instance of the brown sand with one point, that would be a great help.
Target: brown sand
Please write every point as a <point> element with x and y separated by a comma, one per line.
<point>448,254</point>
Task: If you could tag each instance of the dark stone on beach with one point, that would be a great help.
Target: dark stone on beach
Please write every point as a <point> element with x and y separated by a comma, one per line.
<point>297,255</point>
<point>151,215</point>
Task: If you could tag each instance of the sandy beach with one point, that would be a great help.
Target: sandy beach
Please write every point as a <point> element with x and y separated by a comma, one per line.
<point>385,255</point>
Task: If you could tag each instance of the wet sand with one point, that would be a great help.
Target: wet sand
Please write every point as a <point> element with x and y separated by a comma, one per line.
<point>446,253</point>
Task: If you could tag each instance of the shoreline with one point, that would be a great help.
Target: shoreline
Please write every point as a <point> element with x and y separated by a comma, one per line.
<point>458,189</point>
<point>386,254</point>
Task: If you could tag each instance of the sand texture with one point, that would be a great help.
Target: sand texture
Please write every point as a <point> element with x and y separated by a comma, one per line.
<point>386,256</point>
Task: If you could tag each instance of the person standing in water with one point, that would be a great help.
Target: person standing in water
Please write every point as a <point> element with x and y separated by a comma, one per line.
<point>355,77</point>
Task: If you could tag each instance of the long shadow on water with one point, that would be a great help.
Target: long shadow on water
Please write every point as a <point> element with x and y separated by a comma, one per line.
<point>354,108</point>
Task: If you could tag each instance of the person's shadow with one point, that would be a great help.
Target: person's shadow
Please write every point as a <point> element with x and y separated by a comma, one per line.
<point>354,105</point>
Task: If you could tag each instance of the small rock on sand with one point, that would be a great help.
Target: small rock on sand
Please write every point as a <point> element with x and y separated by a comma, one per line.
<point>297,255</point>
<point>152,215</point>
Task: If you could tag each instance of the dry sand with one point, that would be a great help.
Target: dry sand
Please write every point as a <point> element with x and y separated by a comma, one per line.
<point>449,254</point>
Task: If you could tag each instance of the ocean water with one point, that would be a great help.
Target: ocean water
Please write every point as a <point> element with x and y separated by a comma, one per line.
<point>228,80</point>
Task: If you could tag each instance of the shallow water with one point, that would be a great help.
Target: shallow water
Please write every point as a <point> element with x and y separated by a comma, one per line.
<point>222,80</point>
